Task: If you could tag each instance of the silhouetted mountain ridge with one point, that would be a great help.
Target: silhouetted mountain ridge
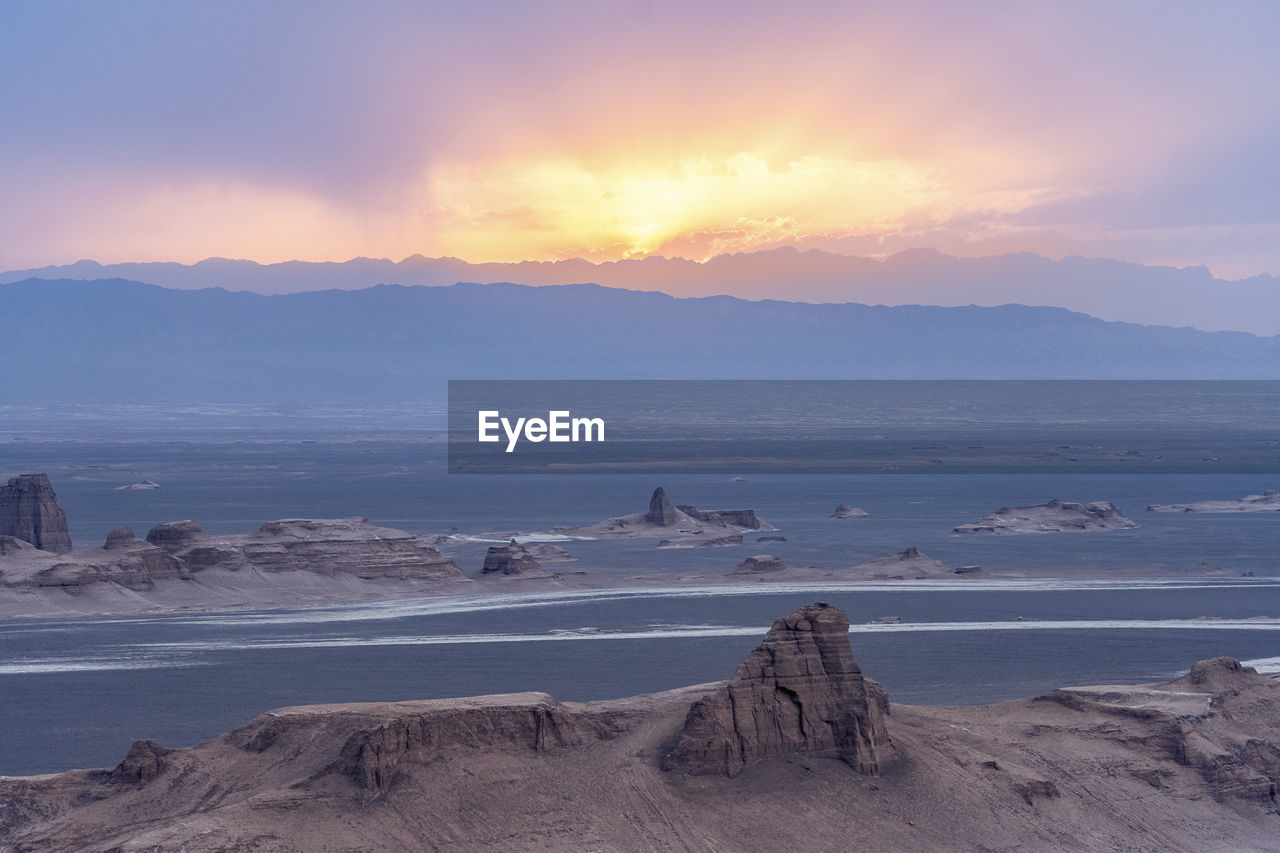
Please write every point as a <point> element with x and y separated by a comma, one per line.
<point>127,341</point>
<point>1108,289</point>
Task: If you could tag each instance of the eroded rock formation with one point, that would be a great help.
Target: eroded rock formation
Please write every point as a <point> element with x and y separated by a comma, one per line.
<point>907,563</point>
<point>665,520</point>
<point>760,564</point>
<point>661,512</point>
<point>798,692</point>
<point>511,559</point>
<point>1268,501</point>
<point>121,537</point>
<point>1180,767</point>
<point>743,518</point>
<point>1056,516</point>
<point>179,551</point>
<point>29,510</point>
<point>321,545</point>
<point>1181,716</point>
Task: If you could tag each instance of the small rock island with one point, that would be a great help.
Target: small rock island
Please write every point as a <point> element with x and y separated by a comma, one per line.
<point>1056,516</point>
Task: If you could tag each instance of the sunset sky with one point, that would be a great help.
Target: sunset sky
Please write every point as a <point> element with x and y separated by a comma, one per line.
<point>138,131</point>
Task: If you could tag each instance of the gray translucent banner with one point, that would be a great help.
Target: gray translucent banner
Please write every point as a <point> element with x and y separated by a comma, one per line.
<point>864,427</point>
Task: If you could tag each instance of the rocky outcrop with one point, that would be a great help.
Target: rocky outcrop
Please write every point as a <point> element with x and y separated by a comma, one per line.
<point>661,513</point>
<point>798,692</point>
<point>261,568</point>
<point>125,561</point>
<point>14,545</point>
<point>908,563</point>
<point>1085,768</point>
<point>325,546</point>
<point>742,518</point>
<point>1268,501</point>
<point>121,537</point>
<point>1181,716</point>
<point>371,756</point>
<point>29,510</point>
<point>1056,516</point>
<point>145,761</point>
<point>727,541</point>
<point>511,559</point>
<point>671,522</point>
<point>846,511</point>
<point>545,552</point>
<point>173,535</point>
<point>760,564</point>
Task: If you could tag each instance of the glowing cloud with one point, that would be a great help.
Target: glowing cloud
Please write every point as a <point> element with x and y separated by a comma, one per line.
<point>328,129</point>
<point>695,207</point>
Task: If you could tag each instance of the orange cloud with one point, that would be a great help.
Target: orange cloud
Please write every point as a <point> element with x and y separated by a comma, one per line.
<point>697,206</point>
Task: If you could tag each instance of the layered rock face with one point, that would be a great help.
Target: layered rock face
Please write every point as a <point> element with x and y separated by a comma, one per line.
<point>324,546</point>
<point>1056,516</point>
<point>124,560</point>
<point>29,510</point>
<point>510,559</point>
<point>798,692</point>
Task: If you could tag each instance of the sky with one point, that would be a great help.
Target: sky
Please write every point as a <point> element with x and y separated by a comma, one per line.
<point>146,131</point>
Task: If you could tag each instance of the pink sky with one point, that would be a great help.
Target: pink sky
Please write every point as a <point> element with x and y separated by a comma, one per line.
<point>503,132</point>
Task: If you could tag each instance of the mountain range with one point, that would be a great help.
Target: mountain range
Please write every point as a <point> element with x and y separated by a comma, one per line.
<point>118,340</point>
<point>1107,289</point>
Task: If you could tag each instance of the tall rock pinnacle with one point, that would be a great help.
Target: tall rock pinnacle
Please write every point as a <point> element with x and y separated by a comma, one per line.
<point>798,692</point>
<point>661,512</point>
<point>29,510</point>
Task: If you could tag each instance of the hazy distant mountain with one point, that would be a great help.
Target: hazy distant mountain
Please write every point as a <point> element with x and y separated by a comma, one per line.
<point>1111,290</point>
<point>120,340</point>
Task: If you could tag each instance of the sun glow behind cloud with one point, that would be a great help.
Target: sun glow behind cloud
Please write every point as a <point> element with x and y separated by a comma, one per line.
<point>695,207</point>
<point>326,130</point>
